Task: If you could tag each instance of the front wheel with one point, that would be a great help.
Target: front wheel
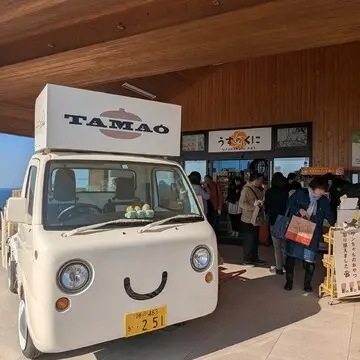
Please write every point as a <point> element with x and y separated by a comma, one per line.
<point>26,344</point>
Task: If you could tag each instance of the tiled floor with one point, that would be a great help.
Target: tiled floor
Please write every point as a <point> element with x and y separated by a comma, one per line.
<point>255,320</point>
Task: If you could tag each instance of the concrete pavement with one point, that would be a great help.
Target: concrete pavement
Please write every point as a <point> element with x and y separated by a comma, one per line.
<point>255,320</point>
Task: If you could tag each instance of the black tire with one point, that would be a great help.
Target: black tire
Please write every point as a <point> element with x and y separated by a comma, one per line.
<point>26,344</point>
<point>12,281</point>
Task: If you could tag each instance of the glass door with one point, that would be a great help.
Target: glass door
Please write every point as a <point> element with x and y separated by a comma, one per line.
<point>289,165</point>
<point>196,165</point>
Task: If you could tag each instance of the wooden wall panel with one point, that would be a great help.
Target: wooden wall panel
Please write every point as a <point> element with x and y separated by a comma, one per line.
<point>318,85</point>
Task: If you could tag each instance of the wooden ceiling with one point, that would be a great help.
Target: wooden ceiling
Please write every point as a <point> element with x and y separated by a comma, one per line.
<point>155,43</point>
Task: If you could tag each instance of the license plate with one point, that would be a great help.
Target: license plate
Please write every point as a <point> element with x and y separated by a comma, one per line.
<point>144,321</point>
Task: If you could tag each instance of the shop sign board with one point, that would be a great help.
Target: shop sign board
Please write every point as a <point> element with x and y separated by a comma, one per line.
<point>355,147</point>
<point>347,263</point>
<point>318,171</point>
<point>77,119</point>
<point>238,140</point>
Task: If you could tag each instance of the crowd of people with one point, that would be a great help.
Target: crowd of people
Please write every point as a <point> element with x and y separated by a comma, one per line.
<point>250,206</point>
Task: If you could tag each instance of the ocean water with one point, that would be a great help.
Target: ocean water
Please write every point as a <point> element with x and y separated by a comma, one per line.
<point>4,195</point>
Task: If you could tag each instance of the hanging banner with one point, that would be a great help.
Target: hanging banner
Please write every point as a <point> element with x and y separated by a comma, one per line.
<point>347,254</point>
<point>318,171</point>
<point>355,153</point>
<point>258,139</point>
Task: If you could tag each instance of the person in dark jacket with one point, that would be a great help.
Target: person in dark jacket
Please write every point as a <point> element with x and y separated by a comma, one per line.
<point>293,184</point>
<point>310,203</point>
<point>275,204</point>
<point>233,198</point>
<point>335,192</point>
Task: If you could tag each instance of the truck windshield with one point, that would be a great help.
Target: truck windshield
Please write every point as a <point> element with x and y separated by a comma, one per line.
<point>84,193</point>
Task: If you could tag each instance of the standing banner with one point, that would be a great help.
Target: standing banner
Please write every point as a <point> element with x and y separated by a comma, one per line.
<point>347,252</point>
<point>258,139</point>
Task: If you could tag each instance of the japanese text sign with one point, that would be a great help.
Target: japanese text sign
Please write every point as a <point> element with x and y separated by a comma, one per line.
<point>240,140</point>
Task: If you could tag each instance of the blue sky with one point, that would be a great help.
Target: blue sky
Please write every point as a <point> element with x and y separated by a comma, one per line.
<point>15,152</point>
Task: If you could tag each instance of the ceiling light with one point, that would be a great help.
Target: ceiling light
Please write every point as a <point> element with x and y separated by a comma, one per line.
<point>138,91</point>
<point>120,26</point>
<point>51,45</point>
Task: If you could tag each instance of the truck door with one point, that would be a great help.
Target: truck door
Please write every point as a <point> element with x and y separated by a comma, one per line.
<point>25,246</point>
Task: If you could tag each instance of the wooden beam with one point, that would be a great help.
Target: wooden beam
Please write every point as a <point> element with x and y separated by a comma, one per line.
<point>36,16</point>
<point>276,27</point>
<point>22,46</point>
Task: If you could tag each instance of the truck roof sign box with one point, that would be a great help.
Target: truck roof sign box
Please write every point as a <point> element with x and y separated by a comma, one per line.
<point>83,120</point>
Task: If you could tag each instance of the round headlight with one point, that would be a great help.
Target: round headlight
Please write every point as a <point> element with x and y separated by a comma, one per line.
<point>74,276</point>
<point>200,258</point>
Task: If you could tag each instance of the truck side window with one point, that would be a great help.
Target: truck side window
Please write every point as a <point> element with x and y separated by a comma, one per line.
<point>30,189</point>
<point>168,190</point>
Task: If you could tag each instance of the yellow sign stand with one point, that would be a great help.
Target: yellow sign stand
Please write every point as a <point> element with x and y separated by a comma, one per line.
<point>329,284</point>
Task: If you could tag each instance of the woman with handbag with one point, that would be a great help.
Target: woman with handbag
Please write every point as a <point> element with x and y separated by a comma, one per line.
<point>202,193</point>
<point>234,210</point>
<point>252,217</point>
<point>275,204</point>
<point>313,205</point>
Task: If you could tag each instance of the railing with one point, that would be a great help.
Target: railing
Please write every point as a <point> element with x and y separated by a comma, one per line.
<point>7,230</point>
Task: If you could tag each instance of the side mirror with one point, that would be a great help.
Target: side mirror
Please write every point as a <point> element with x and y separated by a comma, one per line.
<point>15,210</point>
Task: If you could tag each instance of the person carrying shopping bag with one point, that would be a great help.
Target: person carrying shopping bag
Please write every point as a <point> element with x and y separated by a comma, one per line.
<point>234,210</point>
<point>275,204</point>
<point>310,204</point>
<point>252,217</point>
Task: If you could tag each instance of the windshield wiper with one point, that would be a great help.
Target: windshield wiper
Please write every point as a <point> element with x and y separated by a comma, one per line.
<point>169,219</point>
<point>100,225</point>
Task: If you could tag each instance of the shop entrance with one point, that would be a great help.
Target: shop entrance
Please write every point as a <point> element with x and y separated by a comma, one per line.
<point>196,165</point>
<point>240,167</point>
<point>224,154</point>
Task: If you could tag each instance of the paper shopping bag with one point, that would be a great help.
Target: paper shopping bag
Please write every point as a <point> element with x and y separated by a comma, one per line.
<point>300,230</point>
<point>258,217</point>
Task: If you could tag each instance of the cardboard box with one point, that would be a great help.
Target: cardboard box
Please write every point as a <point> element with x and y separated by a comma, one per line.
<point>83,120</point>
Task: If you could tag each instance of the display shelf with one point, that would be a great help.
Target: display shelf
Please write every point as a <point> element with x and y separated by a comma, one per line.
<point>328,286</point>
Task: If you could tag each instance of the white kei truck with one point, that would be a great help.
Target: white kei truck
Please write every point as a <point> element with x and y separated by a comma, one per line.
<point>112,241</point>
